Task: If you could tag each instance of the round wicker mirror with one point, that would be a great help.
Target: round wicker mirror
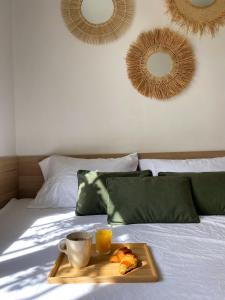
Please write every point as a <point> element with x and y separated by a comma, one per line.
<point>198,16</point>
<point>160,63</point>
<point>95,21</point>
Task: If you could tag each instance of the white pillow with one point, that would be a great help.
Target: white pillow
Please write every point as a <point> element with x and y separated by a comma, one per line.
<point>57,191</point>
<point>60,175</point>
<point>185,165</point>
<point>57,164</point>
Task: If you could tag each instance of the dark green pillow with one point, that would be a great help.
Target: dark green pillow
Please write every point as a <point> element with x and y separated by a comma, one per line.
<point>92,191</point>
<point>150,200</point>
<point>208,190</point>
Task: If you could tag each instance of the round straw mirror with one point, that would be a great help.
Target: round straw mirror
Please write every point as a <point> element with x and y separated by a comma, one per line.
<point>160,63</point>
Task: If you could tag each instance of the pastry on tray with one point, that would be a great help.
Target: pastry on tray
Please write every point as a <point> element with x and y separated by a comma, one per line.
<point>128,263</point>
<point>128,260</point>
<point>118,254</point>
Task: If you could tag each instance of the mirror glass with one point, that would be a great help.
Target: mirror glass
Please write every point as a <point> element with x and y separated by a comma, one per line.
<point>97,11</point>
<point>202,3</point>
<point>159,64</point>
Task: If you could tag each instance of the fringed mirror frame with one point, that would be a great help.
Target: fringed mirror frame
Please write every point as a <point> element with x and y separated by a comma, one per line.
<point>196,19</point>
<point>160,40</point>
<point>97,33</point>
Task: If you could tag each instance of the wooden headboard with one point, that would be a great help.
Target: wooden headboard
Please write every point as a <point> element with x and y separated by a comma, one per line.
<point>8,179</point>
<point>30,178</point>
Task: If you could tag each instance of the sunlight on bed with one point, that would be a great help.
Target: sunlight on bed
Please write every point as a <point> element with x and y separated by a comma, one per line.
<point>27,261</point>
<point>42,234</point>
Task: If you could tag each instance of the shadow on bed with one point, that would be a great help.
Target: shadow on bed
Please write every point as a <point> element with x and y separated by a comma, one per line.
<point>8,224</point>
<point>29,255</point>
<point>27,262</point>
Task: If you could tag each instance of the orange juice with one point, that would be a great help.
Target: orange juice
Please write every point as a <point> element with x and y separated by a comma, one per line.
<point>103,241</point>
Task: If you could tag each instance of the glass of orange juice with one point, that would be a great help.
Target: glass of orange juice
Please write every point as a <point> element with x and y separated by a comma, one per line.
<point>103,240</point>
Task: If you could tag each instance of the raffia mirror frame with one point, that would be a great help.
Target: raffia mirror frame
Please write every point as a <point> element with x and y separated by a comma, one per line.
<point>97,33</point>
<point>196,19</point>
<point>183,63</point>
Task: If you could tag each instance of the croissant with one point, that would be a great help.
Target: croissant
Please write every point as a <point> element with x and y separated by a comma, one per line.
<point>118,254</point>
<point>128,263</point>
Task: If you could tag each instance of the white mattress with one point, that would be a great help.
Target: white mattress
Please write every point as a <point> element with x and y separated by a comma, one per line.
<point>189,257</point>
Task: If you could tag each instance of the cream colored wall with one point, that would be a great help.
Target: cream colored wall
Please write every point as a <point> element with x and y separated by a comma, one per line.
<point>7,129</point>
<point>72,97</point>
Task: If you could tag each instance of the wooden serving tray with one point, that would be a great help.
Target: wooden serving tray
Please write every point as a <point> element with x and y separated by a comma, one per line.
<point>100,270</point>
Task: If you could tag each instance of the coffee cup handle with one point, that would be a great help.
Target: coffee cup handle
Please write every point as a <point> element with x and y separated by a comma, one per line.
<point>62,246</point>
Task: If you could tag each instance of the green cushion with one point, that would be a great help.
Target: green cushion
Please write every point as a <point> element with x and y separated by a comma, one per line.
<point>92,191</point>
<point>208,190</point>
<point>150,200</point>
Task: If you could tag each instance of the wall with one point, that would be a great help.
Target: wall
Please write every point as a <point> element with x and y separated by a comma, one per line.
<point>7,128</point>
<point>72,97</point>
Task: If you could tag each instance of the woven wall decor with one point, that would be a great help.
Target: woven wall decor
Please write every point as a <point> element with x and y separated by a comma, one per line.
<point>97,33</point>
<point>166,41</point>
<point>198,19</point>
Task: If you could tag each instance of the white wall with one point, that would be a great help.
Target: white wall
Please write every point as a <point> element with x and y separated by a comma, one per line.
<point>7,129</point>
<point>72,97</point>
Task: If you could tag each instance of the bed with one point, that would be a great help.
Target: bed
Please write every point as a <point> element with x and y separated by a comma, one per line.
<point>190,258</point>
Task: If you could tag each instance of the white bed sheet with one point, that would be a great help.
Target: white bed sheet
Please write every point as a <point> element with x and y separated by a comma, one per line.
<point>190,257</point>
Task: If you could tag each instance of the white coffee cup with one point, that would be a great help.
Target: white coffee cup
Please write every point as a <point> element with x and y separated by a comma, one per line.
<point>77,246</point>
